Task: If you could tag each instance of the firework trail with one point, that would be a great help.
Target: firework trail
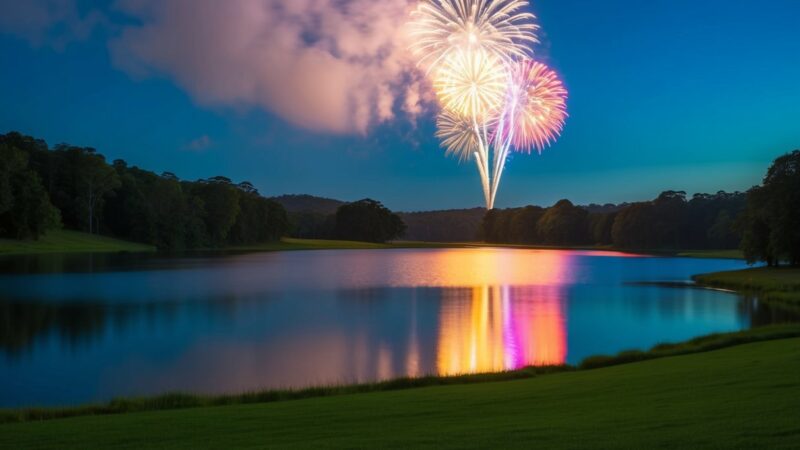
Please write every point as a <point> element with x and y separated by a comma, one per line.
<point>492,95</point>
<point>534,115</point>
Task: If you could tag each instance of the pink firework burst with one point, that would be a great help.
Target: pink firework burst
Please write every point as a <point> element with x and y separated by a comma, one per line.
<point>537,106</point>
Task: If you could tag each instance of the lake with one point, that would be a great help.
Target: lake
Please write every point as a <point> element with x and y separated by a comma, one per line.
<point>88,328</point>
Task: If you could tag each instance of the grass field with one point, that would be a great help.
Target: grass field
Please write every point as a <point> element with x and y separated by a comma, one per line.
<point>65,241</point>
<point>778,285</point>
<point>744,396</point>
<point>287,244</point>
<point>716,254</point>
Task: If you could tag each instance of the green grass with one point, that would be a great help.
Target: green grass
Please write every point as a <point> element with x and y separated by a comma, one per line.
<point>714,254</point>
<point>182,400</point>
<point>65,241</point>
<point>287,244</point>
<point>776,285</point>
<point>739,397</point>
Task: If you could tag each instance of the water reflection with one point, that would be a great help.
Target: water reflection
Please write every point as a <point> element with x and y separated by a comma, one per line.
<point>489,329</point>
<point>247,322</point>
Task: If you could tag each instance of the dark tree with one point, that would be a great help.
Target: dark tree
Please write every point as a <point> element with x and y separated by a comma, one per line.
<point>600,227</point>
<point>367,220</point>
<point>771,223</point>
<point>564,224</point>
<point>25,208</point>
<point>523,229</point>
<point>220,200</point>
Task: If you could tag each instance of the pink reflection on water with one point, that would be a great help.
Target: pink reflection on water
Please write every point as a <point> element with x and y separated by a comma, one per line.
<point>490,329</point>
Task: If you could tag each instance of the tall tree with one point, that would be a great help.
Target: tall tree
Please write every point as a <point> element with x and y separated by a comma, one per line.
<point>367,220</point>
<point>25,208</point>
<point>771,223</point>
<point>564,224</point>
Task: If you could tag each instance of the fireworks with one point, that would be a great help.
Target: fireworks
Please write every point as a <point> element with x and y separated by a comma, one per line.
<point>457,134</point>
<point>472,84</point>
<point>500,28</point>
<point>493,97</point>
<point>539,104</point>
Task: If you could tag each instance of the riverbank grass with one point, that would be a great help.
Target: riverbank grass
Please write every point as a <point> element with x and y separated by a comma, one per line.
<point>776,285</point>
<point>290,244</point>
<point>738,397</point>
<point>184,400</point>
<point>67,241</point>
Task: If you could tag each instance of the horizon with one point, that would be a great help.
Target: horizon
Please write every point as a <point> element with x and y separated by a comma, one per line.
<point>675,95</point>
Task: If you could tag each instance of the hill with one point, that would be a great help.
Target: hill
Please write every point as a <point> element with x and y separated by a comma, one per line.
<point>308,203</point>
<point>453,225</point>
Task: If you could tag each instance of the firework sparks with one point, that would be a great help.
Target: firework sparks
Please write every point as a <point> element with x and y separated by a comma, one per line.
<point>472,84</point>
<point>537,105</point>
<point>457,135</point>
<point>501,28</point>
<point>493,97</point>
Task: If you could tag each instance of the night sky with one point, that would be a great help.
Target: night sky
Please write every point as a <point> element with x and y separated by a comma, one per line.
<point>682,94</point>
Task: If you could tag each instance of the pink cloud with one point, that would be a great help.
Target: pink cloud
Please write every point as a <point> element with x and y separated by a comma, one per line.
<point>327,65</point>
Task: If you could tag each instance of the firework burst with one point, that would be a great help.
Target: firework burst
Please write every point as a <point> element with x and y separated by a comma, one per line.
<point>501,28</point>
<point>493,97</point>
<point>537,106</point>
<point>457,135</point>
<point>472,84</point>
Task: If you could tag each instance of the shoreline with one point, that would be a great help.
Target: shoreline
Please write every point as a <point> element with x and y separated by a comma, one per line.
<point>182,400</point>
<point>70,242</point>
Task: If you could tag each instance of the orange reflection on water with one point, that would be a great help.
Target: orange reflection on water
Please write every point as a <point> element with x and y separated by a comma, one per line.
<point>474,267</point>
<point>489,329</point>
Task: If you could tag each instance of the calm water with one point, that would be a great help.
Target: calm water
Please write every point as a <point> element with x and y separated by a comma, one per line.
<point>90,328</point>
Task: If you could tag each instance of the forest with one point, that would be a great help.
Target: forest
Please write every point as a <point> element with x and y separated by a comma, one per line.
<point>671,221</point>
<point>75,188</point>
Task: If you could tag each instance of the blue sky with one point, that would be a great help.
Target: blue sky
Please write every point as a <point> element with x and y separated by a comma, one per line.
<point>684,95</point>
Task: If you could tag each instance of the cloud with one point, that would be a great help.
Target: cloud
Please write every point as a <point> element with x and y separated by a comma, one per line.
<point>337,66</point>
<point>199,144</point>
<point>54,23</point>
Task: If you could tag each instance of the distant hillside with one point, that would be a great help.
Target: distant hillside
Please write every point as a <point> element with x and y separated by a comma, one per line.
<point>308,203</point>
<point>455,225</point>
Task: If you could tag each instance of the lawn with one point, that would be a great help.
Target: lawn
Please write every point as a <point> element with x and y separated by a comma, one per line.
<point>715,254</point>
<point>778,285</point>
<point>287,244</point>
<point>65,241</point>
<point>746,396</point>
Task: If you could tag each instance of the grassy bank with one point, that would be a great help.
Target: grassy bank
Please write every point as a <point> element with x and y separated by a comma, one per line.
<point>742,396</point>
<point>65,241</point>
<point>713,254</point>
<point>289,244</point>
<point>179,400</point>
<point>777,285</point>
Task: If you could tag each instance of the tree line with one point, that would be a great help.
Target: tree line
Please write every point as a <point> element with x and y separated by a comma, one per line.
<point>74,187</point>
<point>671,221</point>
<point>363,220</point>
<point>43,188</point>
<point>764,222</point>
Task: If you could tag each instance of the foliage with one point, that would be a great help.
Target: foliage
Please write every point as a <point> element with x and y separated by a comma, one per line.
<point>367,220</point>
<point>455,225</point>
<point>564,224</point>
<point>670,222</point>
<point>25,208</point>
<point>127,202</point>
<point>771,222</point>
